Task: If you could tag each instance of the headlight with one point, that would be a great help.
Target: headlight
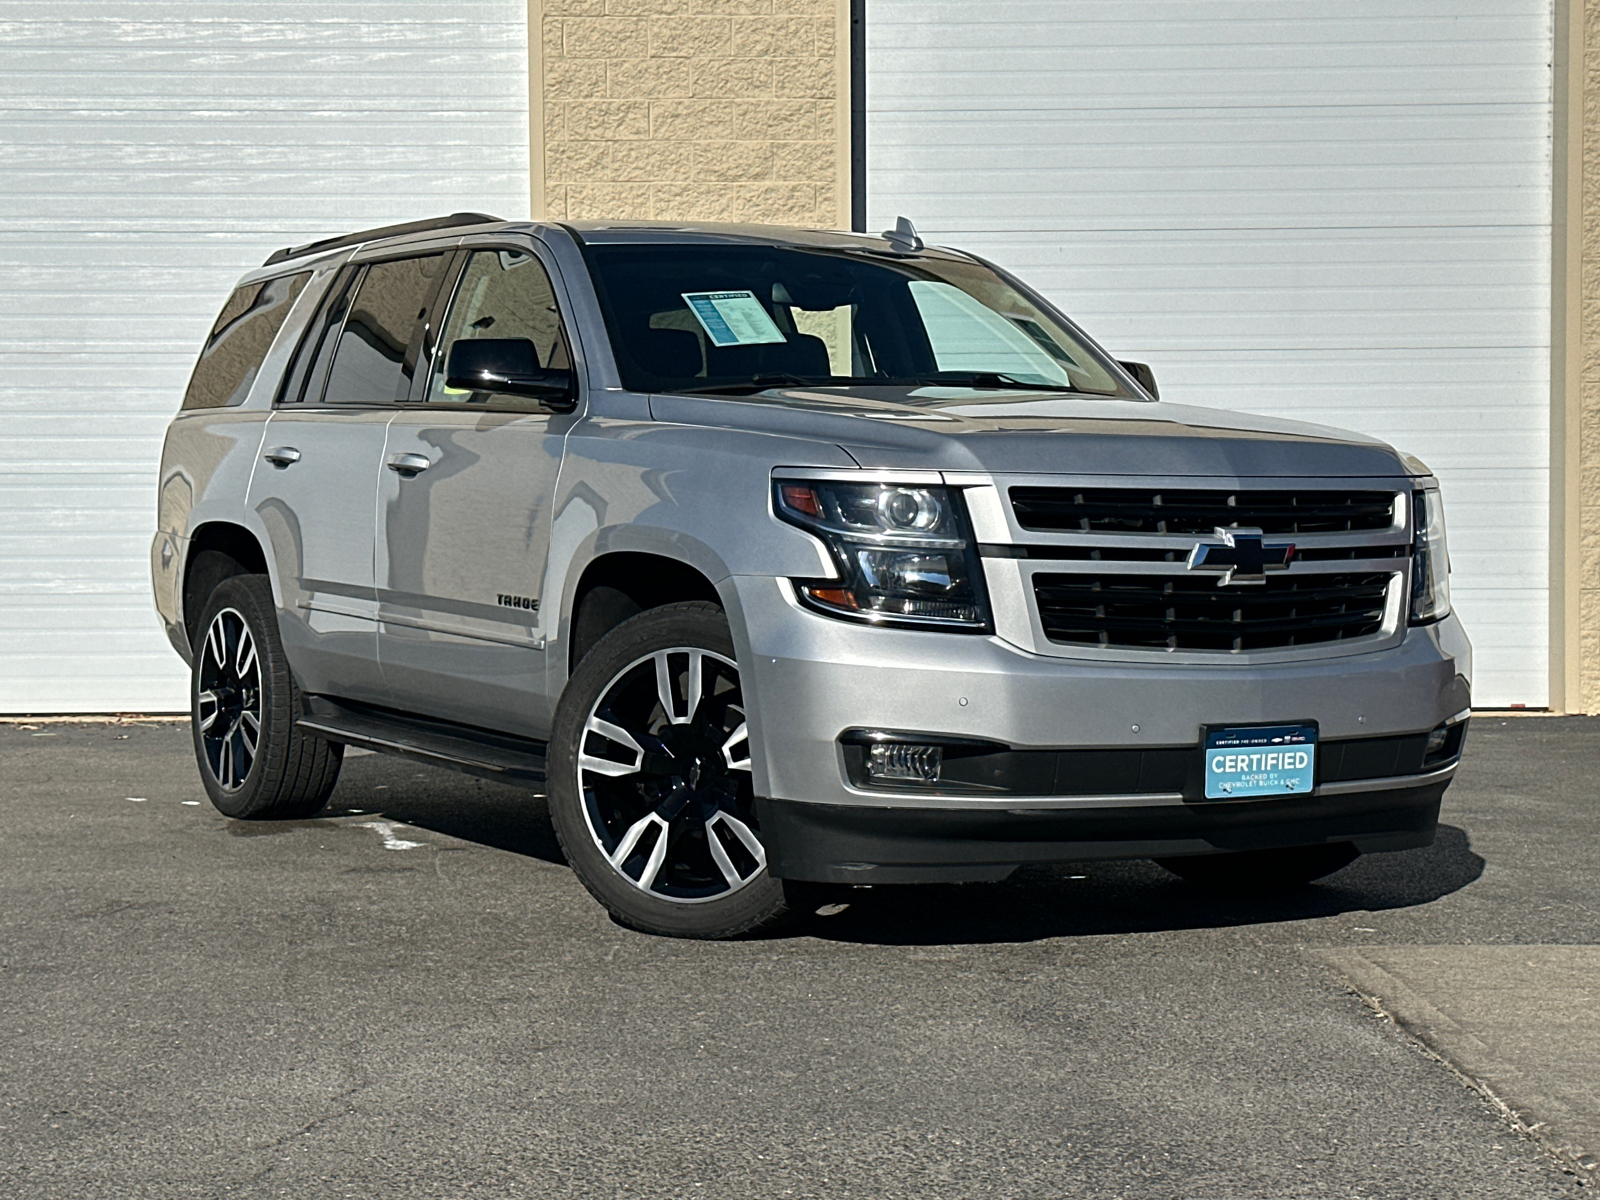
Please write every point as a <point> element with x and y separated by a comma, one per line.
<point>1430,559</point>
<point>904,553</point>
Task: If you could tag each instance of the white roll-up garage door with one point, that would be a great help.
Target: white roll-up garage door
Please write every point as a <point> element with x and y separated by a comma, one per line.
<point>1338,212</point>
<point>153,153</point>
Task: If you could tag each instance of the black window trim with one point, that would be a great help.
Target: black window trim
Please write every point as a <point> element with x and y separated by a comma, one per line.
<point>296,377</point>
<point>449,281</point>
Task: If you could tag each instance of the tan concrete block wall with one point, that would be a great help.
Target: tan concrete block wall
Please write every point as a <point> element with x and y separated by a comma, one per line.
<point>1589,387</point>
<point>716,110</point>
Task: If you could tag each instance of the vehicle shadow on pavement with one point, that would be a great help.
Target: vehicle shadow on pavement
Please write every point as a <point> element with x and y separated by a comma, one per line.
<point>500,816</point>
<point>1068,900</point>
<point>521,826</point>
<point>1099,898</point>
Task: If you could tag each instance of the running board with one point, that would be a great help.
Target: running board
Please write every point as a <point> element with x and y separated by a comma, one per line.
<point>476,751</point>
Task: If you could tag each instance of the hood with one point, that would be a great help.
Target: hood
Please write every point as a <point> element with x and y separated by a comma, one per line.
<point>958,429</point>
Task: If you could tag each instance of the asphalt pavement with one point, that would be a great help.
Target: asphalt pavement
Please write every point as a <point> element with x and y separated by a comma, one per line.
<point>411,996</point>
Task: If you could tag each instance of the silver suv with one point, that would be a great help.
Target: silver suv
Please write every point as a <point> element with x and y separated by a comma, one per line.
<point>784,557</point>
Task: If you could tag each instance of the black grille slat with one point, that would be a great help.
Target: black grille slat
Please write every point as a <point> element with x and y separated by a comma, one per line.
<point>1203,627</point>
<point>1186,511</point>
<point>1145,554</point>
<point>1186,613</point>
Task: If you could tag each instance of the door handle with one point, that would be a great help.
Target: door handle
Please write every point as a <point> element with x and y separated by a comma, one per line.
<point>282,456</point>
<point>407,465</point>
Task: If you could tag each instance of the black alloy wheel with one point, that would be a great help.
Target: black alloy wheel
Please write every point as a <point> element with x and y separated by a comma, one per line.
<point>228,699</point>
<point>664,769</point>
<point>651,790</point>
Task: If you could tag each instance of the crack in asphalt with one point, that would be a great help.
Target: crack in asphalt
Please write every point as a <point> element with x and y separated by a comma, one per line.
<point>313,1125</point>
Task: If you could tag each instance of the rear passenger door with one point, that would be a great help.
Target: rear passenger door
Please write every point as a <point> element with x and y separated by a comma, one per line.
<point>464,513</point>
<point>316,488</point>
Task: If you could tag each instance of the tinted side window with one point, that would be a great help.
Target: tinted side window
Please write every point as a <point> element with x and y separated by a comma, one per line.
<point>502,294</point>
<point>240,339</point>
<point>377,350</point>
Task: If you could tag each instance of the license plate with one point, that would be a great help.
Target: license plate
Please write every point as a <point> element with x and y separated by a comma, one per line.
<point>1260,760</point>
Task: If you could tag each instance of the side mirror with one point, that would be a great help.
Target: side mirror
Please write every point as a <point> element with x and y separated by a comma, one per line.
<point>1145,376</point>
<point>509,366</point>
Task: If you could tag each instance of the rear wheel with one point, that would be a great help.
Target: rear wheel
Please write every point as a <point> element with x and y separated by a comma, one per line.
<point>1263,870</point>
<point>254,761</point>
<point>650,784</point>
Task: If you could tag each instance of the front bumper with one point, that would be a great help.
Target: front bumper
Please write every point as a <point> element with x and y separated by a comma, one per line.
<point>810,679</point>
<point>838,843</point>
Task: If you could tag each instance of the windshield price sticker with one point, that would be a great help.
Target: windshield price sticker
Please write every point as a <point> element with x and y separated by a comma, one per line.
<point>1242,764</point>
<point>732,318</point>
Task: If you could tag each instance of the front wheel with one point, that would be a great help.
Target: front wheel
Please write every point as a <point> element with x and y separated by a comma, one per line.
<point>1263,870</point>
<point>650,784</point>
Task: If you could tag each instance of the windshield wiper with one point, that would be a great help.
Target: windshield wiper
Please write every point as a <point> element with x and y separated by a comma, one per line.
<point>970,379</point>
<point>762,383</point>
<point>996,380</point>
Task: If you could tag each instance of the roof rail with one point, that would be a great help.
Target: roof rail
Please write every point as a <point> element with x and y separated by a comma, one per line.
<point>370,235</point>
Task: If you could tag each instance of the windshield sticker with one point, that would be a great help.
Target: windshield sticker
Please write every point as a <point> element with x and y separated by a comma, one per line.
<point>732,318</point>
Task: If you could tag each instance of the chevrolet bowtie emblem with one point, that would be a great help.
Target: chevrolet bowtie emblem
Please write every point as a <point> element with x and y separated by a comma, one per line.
<point>1241,556</point>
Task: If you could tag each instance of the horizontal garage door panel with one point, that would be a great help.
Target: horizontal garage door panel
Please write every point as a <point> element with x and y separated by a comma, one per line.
<point>1335,213</point>
<point>1170,168</point>
<point>154,153</point>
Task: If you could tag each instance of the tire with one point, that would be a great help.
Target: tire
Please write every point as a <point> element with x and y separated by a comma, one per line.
<point>650,787</point>
<point>1263,870</point>
<point>240,683</point>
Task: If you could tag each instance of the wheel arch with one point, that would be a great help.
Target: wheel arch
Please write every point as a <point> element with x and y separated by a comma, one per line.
<point>217,550</point>
<point>616,585</point>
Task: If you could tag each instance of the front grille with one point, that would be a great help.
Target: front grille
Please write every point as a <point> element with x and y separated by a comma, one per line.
<point>1148,510</point>
<point>1162,612</point>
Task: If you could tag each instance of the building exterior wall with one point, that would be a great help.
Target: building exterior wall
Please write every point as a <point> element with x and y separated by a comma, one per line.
<point>1587,660</point>
<point>719,110</point>
<point>152,155</point>
<point>738,110</point>
<point>1302,219</point>
<point>156,159</point>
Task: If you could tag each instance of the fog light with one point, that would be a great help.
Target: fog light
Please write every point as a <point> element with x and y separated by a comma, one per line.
<point>891,760</point>
<point>1445,741</point>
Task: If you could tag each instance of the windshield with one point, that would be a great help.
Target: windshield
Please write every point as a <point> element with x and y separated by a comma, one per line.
<point>738,318</point>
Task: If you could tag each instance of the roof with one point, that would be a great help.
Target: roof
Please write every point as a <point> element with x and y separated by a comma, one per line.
<point>637,232</point>
<point>620,233</point>
<point>429,225</point>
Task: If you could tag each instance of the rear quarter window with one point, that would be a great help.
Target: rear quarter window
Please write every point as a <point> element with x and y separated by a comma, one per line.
<point>240,339</point>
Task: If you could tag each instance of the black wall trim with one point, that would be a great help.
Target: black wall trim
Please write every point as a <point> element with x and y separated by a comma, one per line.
<point>858,115</point>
